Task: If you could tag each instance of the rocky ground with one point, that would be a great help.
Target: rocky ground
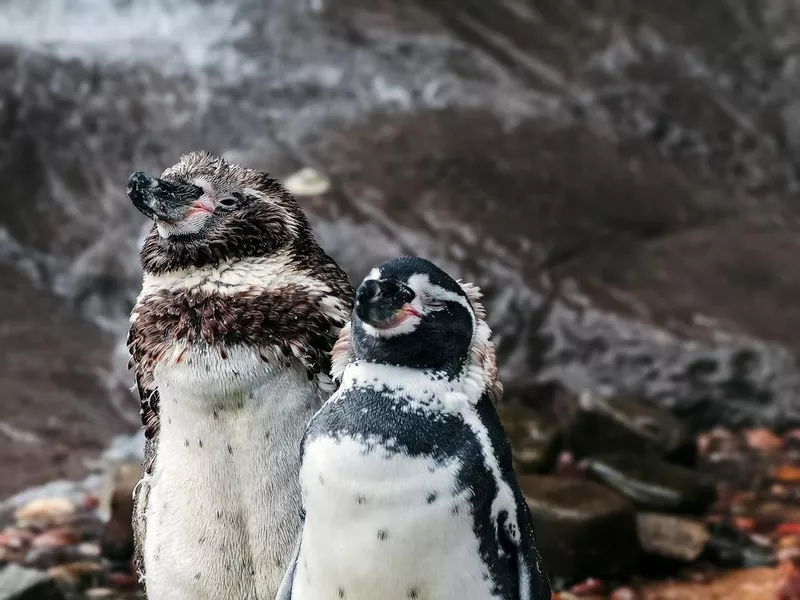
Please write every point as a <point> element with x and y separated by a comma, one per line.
<point>627,506</point>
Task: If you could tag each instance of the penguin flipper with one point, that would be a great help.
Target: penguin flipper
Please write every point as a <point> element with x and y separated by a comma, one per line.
<point>532,579</point>
<point>285,589</point>
<point>534,584</point>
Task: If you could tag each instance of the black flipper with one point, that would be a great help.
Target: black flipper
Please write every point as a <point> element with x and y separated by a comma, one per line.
<point>534,584</point>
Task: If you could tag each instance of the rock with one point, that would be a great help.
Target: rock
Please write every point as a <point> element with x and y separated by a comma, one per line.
<point>46,511</point>
<point>789,585</point>
<point>100,593</point>
<point>79,574</point>
<point>307,182</point>
<point>628,425</point>
<point>787,473</point>
<point>116,543</point>
<point>589,587</point>
<point>625,593</point>
<point>15,539</point>
<point>749,584</point>
<point>763,440</point>
<point>670,536</point>
<point>574,519</point>
<point>122,476</point>
<point>17,583</point>
<point>777,513</point>
<point>122,581</point>
<point>89,502</point>
<point>44,558</point>
<point>652,484</point>
<point>535,442</point>
<point>55,537</point>
<point>88,550</point>
<point>729,547</point>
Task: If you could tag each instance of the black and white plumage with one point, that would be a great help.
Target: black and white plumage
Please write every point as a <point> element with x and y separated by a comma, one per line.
<point>230,340</point>
<point>408,487</point>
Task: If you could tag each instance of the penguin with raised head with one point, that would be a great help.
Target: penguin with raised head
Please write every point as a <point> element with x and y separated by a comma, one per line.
<point>231,340</point>
<point>407,482</point>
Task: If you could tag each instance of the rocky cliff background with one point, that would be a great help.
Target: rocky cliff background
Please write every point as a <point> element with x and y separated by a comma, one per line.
<point>619,175</point>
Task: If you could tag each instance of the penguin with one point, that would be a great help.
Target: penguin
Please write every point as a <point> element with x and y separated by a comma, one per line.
<point>230,342</point>
<point>408,489</point>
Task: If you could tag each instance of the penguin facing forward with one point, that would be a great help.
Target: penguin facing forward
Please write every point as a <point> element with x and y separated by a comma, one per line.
<point>407,482</point>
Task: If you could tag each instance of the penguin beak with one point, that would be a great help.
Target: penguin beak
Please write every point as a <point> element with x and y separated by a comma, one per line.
<point>161,200</point>
<point>384,303</point>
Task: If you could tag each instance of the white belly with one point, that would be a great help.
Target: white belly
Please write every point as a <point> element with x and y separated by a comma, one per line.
<point>222,512</point>
<point>380,527</point>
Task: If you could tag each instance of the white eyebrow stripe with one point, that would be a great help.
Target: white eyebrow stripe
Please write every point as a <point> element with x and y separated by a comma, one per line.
<point>421,284</point>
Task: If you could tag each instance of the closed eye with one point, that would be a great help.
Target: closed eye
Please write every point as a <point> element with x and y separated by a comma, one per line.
<point>434,304</point>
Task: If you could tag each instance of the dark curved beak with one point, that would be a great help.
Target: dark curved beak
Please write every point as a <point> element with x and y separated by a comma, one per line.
<point>161,200</point>
<point>383,302</point>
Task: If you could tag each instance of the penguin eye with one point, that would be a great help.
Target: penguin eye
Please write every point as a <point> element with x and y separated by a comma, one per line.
<point>434,303</point>
<point>230,202</point>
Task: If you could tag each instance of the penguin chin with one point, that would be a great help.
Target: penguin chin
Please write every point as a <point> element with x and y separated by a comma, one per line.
<point>405,320</point>
<point>191,225</point>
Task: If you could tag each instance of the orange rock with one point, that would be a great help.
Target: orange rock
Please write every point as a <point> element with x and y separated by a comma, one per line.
<point>789,586</point>
<point>55,537</point>
<point>625,593</point>
<point>787,473</point>
<point>788,529</point>
<point>746,584</point>
<point>763,440</point>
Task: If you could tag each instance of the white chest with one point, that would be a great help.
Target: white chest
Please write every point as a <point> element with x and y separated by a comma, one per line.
<point>385,526</point>
<point>222,513</point>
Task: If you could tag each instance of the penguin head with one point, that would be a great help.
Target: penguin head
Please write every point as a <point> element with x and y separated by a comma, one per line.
<point>408,312</point>
<point>206,210</point>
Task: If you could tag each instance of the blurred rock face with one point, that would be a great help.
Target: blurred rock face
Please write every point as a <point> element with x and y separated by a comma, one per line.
<point>618,176</point>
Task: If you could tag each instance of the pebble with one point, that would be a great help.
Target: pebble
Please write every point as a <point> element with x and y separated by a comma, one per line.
<point>43,511</point>
<point>83,574</point>
<point>589,587</point>
<point>625,593</point>
<point>574,519</point>
<point>55,537</point>
<point>88,549</point>
<point>307,182</point>
<point>788,529</point>
<point>100,593</point>
<point>763,440</point>
<point>717,442</point>
<point>122,580</point>
<point>671,536</point>
<point>787,473</point>
<point>15,539</point>
<point>653,484</point>
<point>90,502</point>
<point>778,513</point>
